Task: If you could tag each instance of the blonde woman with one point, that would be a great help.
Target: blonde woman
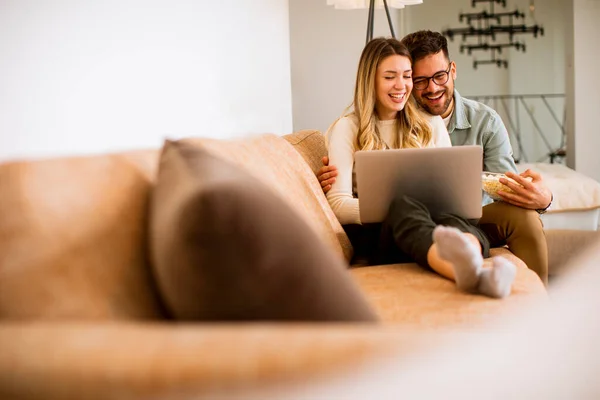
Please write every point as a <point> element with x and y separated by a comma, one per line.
<point>384,117</point>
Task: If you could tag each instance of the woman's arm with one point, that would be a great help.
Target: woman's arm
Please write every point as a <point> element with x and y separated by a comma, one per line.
<point>341,139</point>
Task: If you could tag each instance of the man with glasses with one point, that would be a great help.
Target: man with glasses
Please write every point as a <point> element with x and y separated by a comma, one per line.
<point>514,222</point>
<point>468,122</point>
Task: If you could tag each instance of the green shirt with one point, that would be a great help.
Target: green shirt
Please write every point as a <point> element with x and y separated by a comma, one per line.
<point>474,123</point>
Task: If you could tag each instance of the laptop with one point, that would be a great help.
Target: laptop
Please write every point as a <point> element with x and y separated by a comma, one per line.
<point>445,179</point>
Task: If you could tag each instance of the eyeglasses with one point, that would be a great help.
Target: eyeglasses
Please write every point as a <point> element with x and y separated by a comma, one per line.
<point>439,78</point>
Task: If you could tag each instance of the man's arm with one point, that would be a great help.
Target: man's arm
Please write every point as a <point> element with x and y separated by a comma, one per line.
<point>497,151</point>
<point>327,175</point>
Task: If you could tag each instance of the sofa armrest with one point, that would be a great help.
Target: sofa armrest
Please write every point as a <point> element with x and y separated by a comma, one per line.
<point>565,245</point>
<point>151,361</point>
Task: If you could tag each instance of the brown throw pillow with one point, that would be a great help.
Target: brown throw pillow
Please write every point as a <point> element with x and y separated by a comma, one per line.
<point>224,247</point>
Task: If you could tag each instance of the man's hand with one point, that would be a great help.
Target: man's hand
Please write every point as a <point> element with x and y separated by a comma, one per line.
<point>327,175</point>
<point>530,193</point>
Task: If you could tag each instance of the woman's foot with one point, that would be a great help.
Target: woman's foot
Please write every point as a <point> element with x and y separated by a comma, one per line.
<point>455,247</point>
<point>497,281</point>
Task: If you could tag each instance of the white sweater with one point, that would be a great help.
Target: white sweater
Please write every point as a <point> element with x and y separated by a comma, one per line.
<point>341,140</point>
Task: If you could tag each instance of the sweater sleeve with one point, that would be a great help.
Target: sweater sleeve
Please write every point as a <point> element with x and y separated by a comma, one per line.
<point>441,138</point>
<point>341,139</point>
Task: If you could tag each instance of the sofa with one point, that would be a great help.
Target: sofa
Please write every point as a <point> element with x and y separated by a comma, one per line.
<point>544,352</point>
<point>576,204</point>
<point>81,316</point>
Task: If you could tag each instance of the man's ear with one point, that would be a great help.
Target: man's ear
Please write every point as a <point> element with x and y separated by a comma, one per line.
<point>453,70</point>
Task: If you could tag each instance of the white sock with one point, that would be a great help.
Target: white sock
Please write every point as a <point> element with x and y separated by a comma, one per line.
<point>497,281</point>
<point>454,247</point>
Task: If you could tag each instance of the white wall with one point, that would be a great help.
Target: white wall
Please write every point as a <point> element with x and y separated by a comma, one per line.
<point>570,80</point>
<point>79,76</point>
<point>325,47</point>
<point>438,15</point>
<point>586,15</point>
<point>541,70</point>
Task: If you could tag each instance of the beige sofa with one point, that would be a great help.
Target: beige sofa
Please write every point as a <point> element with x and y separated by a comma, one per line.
<point>576,204</point>
<point>81,318</point>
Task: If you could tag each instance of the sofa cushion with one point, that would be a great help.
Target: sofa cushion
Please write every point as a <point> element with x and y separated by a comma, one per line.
<point>410,295</point>
<point>274,161</point>
<point>72,238</point>
<point>225,247</point>
<point>311,146</point>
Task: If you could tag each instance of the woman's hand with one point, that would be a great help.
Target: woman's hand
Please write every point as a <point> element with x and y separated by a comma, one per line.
<point>529,190</point>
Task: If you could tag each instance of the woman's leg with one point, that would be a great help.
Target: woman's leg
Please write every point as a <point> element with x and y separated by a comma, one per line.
<point>409,227</point>
<point>461,253</point>
<point>441,265</point>
<point>364,240</point>
<point>473,234</point>
<point>454,254</point>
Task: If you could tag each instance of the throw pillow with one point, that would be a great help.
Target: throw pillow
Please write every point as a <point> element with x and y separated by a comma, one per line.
<point>224,247</point>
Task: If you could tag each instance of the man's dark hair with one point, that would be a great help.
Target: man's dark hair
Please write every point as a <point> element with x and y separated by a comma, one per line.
<point>425,43</point>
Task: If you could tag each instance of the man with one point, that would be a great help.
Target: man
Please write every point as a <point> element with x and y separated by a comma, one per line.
<point>515,221</point>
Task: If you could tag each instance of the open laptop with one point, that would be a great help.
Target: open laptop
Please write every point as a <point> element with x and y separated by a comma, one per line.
<point>445,179</point>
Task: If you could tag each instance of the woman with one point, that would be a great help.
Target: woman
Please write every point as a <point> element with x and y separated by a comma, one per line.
<point>384,116</point>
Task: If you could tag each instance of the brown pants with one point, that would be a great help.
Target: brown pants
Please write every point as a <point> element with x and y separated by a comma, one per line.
<point>521,230</point>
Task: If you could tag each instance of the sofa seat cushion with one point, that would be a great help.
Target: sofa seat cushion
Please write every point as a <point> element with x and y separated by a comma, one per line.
<point>224,247</point>
<point>274,161</point>
<point>410,295</point>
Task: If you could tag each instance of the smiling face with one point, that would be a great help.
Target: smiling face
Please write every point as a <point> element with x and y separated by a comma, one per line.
<point>393,84</point>
<point>436,98</point>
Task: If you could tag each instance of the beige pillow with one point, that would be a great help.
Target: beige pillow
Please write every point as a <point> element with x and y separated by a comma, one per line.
<point>572,190</point>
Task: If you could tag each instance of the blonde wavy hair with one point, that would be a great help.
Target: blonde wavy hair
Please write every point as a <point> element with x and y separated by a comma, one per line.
<point>413,129</point>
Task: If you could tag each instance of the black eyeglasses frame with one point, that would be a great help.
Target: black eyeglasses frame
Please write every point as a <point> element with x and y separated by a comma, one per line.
<point>418,83</point>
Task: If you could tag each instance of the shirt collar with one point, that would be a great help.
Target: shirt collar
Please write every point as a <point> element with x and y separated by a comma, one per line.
<point>459,118</point>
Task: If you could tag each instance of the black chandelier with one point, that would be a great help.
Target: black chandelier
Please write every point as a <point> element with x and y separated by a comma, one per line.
<point>486,25</point>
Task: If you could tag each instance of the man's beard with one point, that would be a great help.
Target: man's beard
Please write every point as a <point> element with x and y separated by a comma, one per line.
<point>438,110</point>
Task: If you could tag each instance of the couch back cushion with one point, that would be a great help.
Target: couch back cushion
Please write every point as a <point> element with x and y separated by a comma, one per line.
<point>311,146</point>
<point>225,247</point>
<point>283,169</point>
<point>72,238</point>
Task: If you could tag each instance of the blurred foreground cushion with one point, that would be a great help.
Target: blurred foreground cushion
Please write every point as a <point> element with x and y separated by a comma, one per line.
<point>225,247</point>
